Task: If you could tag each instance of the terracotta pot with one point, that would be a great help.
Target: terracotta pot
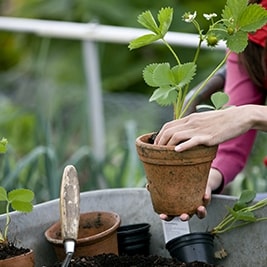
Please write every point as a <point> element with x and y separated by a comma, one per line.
<point>19,261</point>
<point>97,234</point>
<point>176,180</point>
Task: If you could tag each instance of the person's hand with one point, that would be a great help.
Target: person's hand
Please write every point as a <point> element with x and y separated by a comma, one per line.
<point>207,128</point>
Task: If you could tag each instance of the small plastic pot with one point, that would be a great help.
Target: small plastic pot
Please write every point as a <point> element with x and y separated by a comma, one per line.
<point>134,239</point>
<point>192,247</point>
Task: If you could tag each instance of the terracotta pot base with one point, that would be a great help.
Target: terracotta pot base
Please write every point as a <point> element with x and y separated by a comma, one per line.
<point>176,180</point>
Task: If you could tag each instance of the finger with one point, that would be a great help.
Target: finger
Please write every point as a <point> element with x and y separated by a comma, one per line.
<point>206,199</point>
<point>165,217</point>
<point>201,212</point>
<point>184,217</point>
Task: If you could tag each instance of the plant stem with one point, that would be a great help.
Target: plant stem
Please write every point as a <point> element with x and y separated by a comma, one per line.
<point>230,222</point>
<point>172,51</point>
<point>7,220</point>
<point>204,83</point>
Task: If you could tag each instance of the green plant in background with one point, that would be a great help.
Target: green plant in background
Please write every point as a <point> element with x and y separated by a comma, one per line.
<point>20,200</point>
<point>172,83</point>
<point>3,145</point>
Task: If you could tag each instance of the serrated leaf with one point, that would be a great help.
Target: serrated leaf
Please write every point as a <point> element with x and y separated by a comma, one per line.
<point>147,20</point>
<point>253,18</point>
<point>165,19</point>
<point>22,206</point>
<point>219,99</point>
<point>3,194</point>
<point>21,194</point>
<point>184,73</point>
<point>164,96</point>
<point>233,10</point>
<point>237,42</point>
<point>143,41</point>
<point>162,75</point>
<point>148,74</point>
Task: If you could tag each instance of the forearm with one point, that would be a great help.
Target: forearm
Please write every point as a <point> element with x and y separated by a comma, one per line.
<point>258,117</point>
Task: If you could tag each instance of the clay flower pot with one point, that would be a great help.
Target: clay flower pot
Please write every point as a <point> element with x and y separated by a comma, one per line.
<point>97,234</point>
<point>176,180</point>
<point>22,260</point>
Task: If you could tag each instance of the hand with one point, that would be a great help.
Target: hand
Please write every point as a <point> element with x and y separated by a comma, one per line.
<point>207,128</point>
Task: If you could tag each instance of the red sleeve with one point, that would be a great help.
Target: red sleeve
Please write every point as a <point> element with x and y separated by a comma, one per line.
<point>232,155</point>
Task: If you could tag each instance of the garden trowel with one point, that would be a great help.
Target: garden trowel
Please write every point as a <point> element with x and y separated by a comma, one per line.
<point>69,211</point>
<point>174,228</point>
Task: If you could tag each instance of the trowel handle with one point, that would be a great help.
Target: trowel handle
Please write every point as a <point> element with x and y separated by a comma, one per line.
<point>69,204</point>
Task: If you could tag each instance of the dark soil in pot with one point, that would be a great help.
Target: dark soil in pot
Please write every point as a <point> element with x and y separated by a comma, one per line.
<point>11,250</point>
<point>111,260</point>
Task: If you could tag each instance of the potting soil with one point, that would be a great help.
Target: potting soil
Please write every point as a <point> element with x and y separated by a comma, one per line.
<point>112,260</point>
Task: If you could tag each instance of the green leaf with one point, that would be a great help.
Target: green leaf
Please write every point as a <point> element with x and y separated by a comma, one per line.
<point>147,20</point>
<point>184,73</point>
<point>21,194</point>
<point>143,41</point>
<point>158,75</point>
<point>243,18</point>
<point>233,10</point>
<point>247,216</point>
<point>237,42</point>
<point>247,196</point>
<point>162,75</point>
<point>219,99</point>
<point>3,194</point>
<point>148,74</point>
<point>165,17</point>
<point>164,96</point>
<point>253,18</point>
<point>239,206</point>
<point>22,206</point>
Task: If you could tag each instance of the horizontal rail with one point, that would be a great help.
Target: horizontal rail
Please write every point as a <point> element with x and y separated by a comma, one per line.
<point>91,31</point>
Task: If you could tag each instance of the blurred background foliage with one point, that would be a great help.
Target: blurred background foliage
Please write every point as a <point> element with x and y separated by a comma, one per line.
<point>43,108</point>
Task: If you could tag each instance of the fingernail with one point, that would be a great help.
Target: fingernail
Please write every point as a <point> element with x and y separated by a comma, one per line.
<point>178,148</point>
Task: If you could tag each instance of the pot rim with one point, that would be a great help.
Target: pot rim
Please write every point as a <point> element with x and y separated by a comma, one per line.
<point>110,230</point>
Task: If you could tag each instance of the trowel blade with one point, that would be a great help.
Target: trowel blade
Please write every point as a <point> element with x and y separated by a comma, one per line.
<point>174,228</point>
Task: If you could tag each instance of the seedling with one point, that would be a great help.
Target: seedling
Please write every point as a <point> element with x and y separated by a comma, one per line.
<point>241,214</point>
<point>17,199</point>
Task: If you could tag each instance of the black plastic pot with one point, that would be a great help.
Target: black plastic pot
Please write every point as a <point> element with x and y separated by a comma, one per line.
<point>192,247</point>
<point>134,239</point>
